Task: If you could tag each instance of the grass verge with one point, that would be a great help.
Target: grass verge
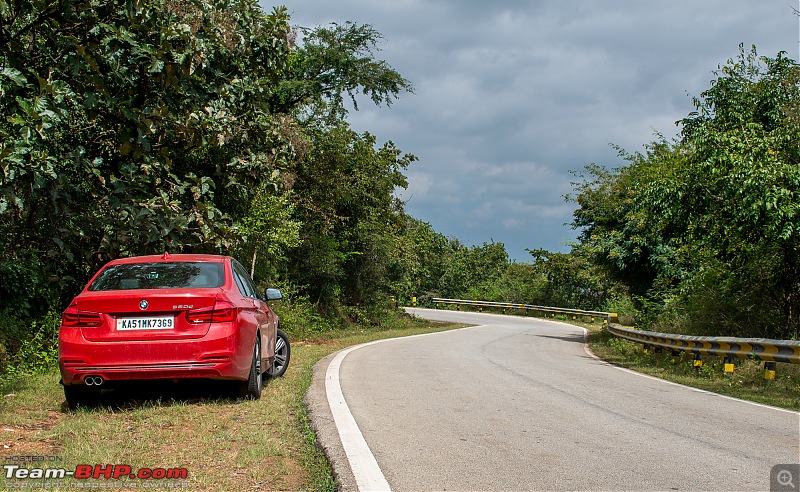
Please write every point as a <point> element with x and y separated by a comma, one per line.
<point>224,444</point>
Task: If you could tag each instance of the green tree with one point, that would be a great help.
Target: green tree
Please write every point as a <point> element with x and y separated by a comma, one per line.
<point>523,283</point>
<point>134,127</point>
<point>572,280</point>
<point>344,197</point>
<point>343,187</point>
<point>643,250</point>
<point>332,62</point>
<point>420,261</point>
<point>707,225</point>
<point>737,192</point>
<point>473,272</point>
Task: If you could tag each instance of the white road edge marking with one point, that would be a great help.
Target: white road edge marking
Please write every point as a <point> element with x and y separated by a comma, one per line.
<point>366,471</point>
<point>368,474</point>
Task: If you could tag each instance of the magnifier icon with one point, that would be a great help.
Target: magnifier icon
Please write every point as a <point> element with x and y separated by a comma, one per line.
<point>785,479</point>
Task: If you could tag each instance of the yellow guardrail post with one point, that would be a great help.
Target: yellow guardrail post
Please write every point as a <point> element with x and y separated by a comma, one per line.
<point>769,370</point>
<point>729,367</point>
<point>697,362</point>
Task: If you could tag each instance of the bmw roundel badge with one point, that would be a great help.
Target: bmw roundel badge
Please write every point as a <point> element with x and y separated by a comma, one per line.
<point>143,304</point>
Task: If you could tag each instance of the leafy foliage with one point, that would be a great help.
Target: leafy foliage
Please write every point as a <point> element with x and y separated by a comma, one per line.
<point>134,127</point>
<point>472,272</point>
<point>420,260</point>
<point>343,195</point>
<point>188,126</point>
<point>707,224</point>
<point>571,280</point>
<point>334,61</point>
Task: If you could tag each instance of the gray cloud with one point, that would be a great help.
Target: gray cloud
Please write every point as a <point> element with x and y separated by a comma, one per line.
<point>512,95</point>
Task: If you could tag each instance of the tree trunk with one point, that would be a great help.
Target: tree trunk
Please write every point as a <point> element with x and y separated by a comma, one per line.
<point>253,265</point>
<point>791,293</point>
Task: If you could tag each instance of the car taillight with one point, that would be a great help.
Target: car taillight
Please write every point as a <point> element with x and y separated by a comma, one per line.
<point>75,318</point>
<point>221,311</point>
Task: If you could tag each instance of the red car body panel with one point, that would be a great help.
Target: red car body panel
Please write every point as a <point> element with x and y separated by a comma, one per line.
<point>207,332</point>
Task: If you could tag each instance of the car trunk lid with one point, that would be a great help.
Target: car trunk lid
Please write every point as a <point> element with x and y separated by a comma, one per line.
<point>153,314</point>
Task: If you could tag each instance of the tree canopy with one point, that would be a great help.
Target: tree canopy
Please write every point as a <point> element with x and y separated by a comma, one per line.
<point>708,222</point>
<point>135,127</point>
<point>196,126</point>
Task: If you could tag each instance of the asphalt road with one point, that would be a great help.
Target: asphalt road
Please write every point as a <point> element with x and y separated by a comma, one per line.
<point>518,404</point>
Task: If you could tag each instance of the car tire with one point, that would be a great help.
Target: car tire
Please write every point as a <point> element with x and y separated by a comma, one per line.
<point>252,387</point>
<point>79,395</point>
<point>283,352</point>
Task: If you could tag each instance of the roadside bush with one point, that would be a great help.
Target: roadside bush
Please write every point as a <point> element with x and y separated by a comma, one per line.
<point>11,336</point>
<point>28,349</point>
<point>303,319</point>
<point>624,306</point>
<point>716,301</point>
<point>300,318</point>
<point>24,291</point>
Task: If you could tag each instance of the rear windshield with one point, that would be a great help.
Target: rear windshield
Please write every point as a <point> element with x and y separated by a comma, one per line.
<point>179,275</point>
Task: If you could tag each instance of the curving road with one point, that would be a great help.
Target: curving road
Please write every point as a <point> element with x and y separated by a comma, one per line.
<point>519,404</point>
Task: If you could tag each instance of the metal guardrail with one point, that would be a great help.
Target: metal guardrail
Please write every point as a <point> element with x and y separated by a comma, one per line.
<point>609,317</point>
<point>743,348</point>
<point>768,350</point>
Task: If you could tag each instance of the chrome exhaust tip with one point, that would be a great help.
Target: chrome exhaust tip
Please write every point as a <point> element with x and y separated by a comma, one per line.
<point>93,380</point>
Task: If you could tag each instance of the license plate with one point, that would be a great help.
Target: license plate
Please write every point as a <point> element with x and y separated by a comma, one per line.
<point>150,323</point>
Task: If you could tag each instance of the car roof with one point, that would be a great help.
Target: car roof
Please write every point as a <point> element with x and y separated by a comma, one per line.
<point>171,258</point>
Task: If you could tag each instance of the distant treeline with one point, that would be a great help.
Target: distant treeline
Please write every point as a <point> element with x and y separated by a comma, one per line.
<point>215,127</point>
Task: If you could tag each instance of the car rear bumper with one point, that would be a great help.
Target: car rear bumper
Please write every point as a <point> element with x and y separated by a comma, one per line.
<point>225,356</point>
<point>76,374</point>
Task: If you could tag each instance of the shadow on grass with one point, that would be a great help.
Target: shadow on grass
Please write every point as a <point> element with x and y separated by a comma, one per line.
<point>125,396</point>
<point>10,384</point>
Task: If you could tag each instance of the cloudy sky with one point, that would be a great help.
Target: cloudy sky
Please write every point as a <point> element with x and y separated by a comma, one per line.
<point>511,95</point>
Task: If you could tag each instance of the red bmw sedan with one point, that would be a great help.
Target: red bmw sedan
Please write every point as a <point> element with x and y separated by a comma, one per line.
<point>170,317</point>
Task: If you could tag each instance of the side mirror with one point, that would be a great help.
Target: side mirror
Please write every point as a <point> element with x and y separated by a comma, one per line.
<point>273,294</point>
